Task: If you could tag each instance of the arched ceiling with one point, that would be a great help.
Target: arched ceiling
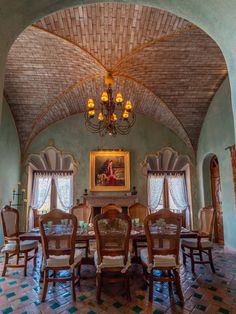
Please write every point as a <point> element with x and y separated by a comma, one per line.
<point>169,68</point>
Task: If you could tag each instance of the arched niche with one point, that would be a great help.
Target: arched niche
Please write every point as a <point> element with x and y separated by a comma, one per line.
<point>206,177</point>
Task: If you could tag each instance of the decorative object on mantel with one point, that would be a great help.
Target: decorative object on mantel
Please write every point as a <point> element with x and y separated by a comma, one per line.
<point>134,191</point>
<point>112,117</point>
<point>85,192</point>
<point>103,200</point>
<point>18,197</point>
<point>109,171</point>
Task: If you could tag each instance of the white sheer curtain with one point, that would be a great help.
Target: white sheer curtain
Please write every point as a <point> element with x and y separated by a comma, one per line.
<point>64,186</point>
<point>155,188</point>
<point>178,197</point>
<point>41,187</point>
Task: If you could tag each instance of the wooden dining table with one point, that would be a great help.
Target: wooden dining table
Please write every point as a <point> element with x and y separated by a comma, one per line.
<point>83,235</point>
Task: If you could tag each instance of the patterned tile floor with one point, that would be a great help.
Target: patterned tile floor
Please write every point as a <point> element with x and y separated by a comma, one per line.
<point>204,293</point>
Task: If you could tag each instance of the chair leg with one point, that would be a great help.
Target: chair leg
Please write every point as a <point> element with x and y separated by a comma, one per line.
<point>150,287</point>
<point>184,257</point>
<point>17,258</point>
<point>99,286</point>
<point>73,285</point>
<point>45,285</point>
<point>35,257</point>
<point>170,284</point>
<point>200,254</point>
<point>25,263</point>
<point>192,261</point>
<point>178,286</point>
<point>211,261</point>
<point>5,264</point>
<point>127,286</point>
<point>78,274</point>
<point>54,276</point>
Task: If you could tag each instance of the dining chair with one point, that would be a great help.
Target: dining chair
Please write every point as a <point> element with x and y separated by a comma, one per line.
<point>203,242</point>
<point>58,235</point>
<point>162,230</point>
<point>108,207</point>
<point>83,213</point>
<point>138,211</point>
<point>12,244</point>
<point>112,258</point>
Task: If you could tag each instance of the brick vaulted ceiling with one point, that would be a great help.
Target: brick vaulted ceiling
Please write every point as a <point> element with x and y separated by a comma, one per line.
<point>168,67</point>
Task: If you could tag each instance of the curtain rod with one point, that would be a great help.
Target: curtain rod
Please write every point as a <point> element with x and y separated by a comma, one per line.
<point>53,171</point>
<point>166,171</point>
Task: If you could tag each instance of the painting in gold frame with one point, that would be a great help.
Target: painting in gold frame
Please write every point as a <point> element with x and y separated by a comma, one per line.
<point>109,171</point>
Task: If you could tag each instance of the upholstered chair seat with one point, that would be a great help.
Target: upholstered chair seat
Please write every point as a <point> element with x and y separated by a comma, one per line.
<point>63,260</point>
<point>193,243</point>
<point>162,261</point>
<point>24,246</point>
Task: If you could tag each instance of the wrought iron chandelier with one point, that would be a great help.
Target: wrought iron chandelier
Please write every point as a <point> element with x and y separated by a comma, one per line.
<point>112,117</point>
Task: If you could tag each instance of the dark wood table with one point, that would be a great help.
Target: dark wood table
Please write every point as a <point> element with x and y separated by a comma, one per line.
<point>90,235</point>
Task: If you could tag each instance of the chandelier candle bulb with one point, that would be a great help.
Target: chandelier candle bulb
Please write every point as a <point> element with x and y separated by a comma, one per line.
<point>125,115</point>
<point>128,105</point>
<point>119,98</point>
<point>90,103</point>
<point>100,116</point>
<point>104,96</point>
<point>91,113</point>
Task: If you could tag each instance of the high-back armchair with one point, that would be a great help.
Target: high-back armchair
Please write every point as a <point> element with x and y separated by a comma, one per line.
<point>108,207</point>
<point>112,230</point>
<point>12,244</point>
<point>58,234</point>
<point>162,230</point>
<point>203,242</point>
<point>83,213</point>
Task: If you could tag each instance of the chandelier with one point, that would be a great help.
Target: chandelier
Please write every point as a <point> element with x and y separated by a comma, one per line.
<point>110,116</point>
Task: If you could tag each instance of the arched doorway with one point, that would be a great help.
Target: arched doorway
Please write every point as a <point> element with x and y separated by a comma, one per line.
<point>216,199</point>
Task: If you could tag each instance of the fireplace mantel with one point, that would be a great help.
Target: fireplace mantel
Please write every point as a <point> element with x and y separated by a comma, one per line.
<point>103,200</point>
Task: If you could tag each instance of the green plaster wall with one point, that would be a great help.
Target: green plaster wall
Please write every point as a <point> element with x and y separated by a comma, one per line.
<point>218,133</point>
<point>147,136</point>
<point>9,157</point>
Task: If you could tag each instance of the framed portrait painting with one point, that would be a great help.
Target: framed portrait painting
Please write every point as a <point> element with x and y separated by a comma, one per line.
<point>109,171</point>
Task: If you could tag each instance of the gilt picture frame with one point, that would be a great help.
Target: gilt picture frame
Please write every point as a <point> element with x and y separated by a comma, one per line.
<point>109,171</point>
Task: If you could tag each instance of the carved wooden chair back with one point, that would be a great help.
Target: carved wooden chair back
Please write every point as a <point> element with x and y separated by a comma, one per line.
<point>206,216</point>
<point>138,210</point>
<point>112,230</point>
<point>108,207</point>
<point>10,221</point>
<point>58,233</point>
<point>82,212</point>
<point>162,230</point>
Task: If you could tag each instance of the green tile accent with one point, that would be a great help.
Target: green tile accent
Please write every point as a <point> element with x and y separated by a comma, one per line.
<point>195,286</point>
<point>158,312</point>
<point>158,300</point>
<point>24,285</point>
<point>54,306</point>
<point>24,298</point>
<point>117,305</point>
<point>137,309</point>
<point>82,297</point>
<point>7,310</point>
<point>197,295</point>
<point>15,273</point>
<point>224,311</point>
<point>12,283</point>
<point>24,313</point>
<point>140,297</point>
<point>10,294</point>
<point>91,312</point>
<point>2,279</point>
<point>100,302</point>
<point>66,295</point>
<point>217,298</point>
<point>37,302</point>
<point>200,307</point>
<point>72,309</point>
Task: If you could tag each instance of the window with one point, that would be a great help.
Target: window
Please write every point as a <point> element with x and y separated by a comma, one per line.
<point>167,190</point>
<point>52,190</point>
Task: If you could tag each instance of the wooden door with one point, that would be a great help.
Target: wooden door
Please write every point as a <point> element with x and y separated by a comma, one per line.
<point>216,199</point>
